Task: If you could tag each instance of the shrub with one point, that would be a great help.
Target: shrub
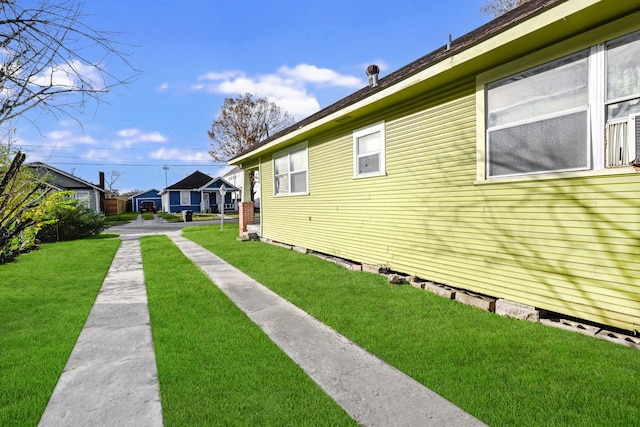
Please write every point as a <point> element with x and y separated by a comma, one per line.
<point>72,221</point>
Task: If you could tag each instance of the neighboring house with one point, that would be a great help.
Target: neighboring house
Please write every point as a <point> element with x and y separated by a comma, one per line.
<point>152,195</point>
<point>235,176</point>
<point>198,192</point>
<point>498,164</point>
<point>84,192</point>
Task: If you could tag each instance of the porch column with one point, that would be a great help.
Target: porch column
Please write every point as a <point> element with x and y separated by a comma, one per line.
<point>246,205</point>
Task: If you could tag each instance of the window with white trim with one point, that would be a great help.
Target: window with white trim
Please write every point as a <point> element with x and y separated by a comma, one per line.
<point>623,100</point>
<point>575,113</point>
<point>185,198</point>
<point>83,197</point>
<point>369,151</point>
<point>290,171</point>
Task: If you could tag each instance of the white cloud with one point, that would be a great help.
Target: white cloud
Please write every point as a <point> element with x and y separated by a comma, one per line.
<point>181,155</point>
<point>73,74</point>
<point>132,136</point>
<point>322,76</point>
<point>287,87</point>
<point>59,135</point>
<point>302,106</point>
<point>65,139</point>
<point>98,155</point>
<point>220,76</point>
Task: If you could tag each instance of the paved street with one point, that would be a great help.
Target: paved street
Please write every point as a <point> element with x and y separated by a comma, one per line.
<point>140,227</point>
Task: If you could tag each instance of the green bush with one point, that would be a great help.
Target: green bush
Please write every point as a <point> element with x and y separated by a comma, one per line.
<point>72,222</point>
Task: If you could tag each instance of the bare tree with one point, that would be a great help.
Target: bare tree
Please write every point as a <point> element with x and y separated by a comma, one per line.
<point>51,60</point>
<point>243,122</point>
<point>45,58</point>
<point>500,7</point>
<point>132,192</point>
<point>111,180</point>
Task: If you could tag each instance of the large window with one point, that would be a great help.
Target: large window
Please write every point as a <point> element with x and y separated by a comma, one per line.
<point>290,171</point>
<point>83,197</point>
<point>537,120</point>
<point>575,113</point>
<point>368,151</point>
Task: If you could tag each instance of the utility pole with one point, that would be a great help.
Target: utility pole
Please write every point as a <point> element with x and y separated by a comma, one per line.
<point>166,168</point>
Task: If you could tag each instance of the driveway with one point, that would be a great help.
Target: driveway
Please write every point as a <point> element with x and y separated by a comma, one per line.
<point>157,225</point>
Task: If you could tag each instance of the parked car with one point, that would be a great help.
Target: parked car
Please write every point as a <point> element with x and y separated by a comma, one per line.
<point>147,207</point>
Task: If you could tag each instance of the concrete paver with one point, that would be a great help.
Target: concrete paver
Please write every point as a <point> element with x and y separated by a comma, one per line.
<point>373,392</point>
<point>111,377</point>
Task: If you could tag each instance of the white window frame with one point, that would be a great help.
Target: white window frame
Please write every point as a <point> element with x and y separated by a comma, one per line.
<point>83,197</point>
<point>381,152</point>
<point>596,115</point>
<point>627,154</point>
<point>185,195</point>
<point>302,147</point>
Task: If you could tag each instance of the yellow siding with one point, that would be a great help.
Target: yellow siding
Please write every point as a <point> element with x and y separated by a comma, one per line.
<point>566,245</point>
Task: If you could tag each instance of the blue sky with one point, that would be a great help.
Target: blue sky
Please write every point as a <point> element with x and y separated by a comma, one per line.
<point>192,54</point>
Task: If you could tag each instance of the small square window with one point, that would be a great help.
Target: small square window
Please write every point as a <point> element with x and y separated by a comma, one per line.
<point>290,171</point>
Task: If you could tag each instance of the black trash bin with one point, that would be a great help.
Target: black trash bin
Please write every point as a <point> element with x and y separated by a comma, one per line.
<point>187,216</point>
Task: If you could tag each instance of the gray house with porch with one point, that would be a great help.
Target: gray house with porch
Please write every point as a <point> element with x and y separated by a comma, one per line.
<point>86,193</point>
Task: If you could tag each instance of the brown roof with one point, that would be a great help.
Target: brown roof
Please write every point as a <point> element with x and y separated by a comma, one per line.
<point>498,25</point>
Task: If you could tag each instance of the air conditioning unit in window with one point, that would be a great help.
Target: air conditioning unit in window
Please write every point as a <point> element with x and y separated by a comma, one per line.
<point>622,141</point>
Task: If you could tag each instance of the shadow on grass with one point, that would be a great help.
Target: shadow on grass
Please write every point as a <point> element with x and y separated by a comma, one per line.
<point>501,370</point>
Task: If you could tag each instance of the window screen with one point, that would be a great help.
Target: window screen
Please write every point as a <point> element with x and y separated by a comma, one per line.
<point>537,120</point>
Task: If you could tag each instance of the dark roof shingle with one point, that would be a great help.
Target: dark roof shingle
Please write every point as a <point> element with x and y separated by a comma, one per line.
<point>195,180</point>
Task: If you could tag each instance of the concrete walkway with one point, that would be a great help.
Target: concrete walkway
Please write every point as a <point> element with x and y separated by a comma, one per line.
<point>121,389</point>
<point>373,392</point>
<point>111,377</point>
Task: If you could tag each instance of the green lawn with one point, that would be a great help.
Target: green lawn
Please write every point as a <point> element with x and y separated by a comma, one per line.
<point>123,218</point>
<point>45,298</point>
<point>215,366</point>
<point>170,217</point>
<point>503,371</point>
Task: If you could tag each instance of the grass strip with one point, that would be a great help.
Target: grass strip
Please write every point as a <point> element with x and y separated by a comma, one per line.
<point>123,218</point>
<point>45,298</point>
<point>501,370</point>
<point>217,368</point>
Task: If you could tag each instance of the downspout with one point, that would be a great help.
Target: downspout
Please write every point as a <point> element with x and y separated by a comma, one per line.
<point>100,196</point>
<point>260,177</point>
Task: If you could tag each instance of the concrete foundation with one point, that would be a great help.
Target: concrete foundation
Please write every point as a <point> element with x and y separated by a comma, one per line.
<point>518,311</point>
<point>478,301</point>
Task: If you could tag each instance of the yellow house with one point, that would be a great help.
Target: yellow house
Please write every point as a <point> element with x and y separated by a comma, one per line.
<point>501,164</point>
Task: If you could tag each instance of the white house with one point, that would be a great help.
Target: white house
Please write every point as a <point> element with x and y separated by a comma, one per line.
<point>235,176</point>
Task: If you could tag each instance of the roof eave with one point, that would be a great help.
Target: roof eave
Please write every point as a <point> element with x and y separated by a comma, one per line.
<point>468,50</point>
